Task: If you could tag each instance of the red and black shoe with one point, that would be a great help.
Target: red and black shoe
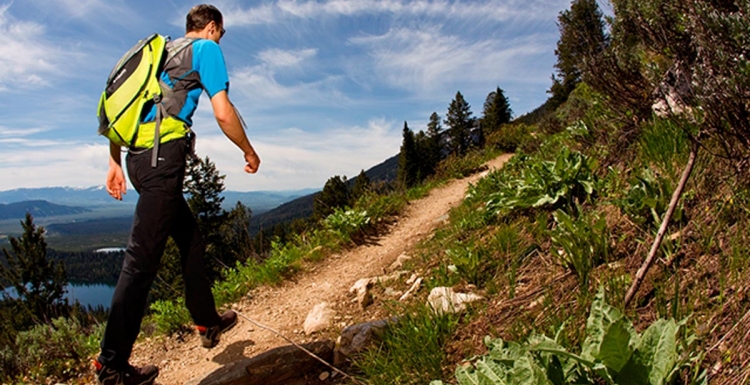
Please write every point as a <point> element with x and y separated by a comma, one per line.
<point>210,335</point>
<point>131,375</point>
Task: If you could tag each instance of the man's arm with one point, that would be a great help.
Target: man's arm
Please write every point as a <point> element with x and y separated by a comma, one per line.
<point>115,177</point>
<point>230,124</point>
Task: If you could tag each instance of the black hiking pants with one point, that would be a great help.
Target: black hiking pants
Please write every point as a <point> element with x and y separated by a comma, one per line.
<point>161,212</point>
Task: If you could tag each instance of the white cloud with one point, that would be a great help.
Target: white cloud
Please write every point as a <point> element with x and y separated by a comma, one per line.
<point>291,158</point>
<point>423,60</point>
<point>449,10</point>
<point>53,164</point>
<point>260,88</point>
<point>294,158</point>
<point>26,58</point>
<point>284,58</point>
<point>7,131</point>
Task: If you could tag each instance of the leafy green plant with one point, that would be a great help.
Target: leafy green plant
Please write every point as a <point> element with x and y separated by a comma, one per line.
<point>171,316</point>
<point>580,243</point>
<point>346,222</point>
<point>647,199</point>
<point>545,183</point>
<point>613,353</point>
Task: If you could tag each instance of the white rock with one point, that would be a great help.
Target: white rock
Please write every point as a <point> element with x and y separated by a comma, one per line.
<point>362,289</point>
<point>390,292</point>
<point>399,263</point>
<point>324,376</point>
<point>319,318</point>
<point>445,300</point>
<point>413,289</point>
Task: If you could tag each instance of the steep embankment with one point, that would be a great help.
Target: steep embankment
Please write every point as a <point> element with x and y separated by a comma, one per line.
<point>285,307</point>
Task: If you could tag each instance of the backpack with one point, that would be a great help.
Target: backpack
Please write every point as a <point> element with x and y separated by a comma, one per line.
<point>132,89</point>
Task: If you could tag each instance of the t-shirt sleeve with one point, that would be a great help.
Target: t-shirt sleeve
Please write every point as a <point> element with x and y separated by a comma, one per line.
<point>208,60</point>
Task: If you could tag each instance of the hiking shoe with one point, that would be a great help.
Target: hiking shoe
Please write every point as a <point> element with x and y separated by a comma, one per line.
<point>210,335</point>
<point>132,375</point>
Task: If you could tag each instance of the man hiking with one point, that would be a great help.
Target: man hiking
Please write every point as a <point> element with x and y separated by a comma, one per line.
<point>161,210</point>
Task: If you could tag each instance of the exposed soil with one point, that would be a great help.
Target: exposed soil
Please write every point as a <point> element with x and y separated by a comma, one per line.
<point>286,306</point>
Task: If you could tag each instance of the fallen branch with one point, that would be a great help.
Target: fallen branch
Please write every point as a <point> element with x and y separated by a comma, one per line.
<point>664,224</point>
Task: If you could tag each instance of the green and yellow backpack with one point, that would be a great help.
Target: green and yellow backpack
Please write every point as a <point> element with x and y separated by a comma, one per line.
<point>133,88</point>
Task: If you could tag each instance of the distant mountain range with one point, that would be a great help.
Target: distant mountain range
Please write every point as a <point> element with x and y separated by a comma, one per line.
<point>67,200</point>
<point>37,208</point>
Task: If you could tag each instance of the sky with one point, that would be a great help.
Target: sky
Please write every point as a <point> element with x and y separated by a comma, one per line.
<point>324,86</point>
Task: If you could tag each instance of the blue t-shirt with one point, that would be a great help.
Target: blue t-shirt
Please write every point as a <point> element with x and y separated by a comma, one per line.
<point>208,62</point>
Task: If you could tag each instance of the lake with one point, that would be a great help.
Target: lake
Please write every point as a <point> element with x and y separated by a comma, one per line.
<point>90,295</point>
<point>87,294</point>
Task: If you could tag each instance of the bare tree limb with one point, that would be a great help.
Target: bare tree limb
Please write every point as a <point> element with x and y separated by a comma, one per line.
<point>664,224</point>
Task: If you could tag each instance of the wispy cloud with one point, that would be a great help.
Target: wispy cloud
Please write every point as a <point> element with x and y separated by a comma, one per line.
<point>26,58</point>
<point>53,164</point>
<point>451,10</point>
<point>295,158</point>
<point>425,59</point>
<point>284,58</point>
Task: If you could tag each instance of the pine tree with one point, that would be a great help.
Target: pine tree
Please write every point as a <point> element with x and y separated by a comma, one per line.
<point>459,120</point>
<point>408,165</point>
<point>39,282</point>
<point>335,194</point>
<point>581,38</point>
<point>204,185</point>
<point>236,233</point>
<point>361,186</point>
<point>496,111</point>
<point>435,135</point>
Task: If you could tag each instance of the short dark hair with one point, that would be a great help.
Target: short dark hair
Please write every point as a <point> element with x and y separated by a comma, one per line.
<point>200,15</point>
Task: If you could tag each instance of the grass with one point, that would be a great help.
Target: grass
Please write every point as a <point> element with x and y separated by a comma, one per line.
<point>410,351</point>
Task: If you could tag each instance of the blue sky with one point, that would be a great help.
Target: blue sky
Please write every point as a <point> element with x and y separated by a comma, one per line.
<point>324,86</point>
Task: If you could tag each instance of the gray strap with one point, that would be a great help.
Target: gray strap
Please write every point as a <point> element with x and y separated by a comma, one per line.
<point>157,137</point>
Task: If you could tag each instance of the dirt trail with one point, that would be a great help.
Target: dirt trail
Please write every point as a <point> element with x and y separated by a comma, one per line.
<point>285,307</point>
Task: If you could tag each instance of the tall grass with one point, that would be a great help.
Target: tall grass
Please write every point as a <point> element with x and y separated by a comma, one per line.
<point>410,351</point>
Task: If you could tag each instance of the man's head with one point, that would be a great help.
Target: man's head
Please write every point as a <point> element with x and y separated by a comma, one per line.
<point>206,19</point>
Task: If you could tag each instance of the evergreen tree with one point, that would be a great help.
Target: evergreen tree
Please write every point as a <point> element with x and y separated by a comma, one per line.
<point>236,233</point>
<point>582,37</point>
<point>204,185</point>
<point>496,111</point>
<point>460,122</point>
<point>435,136</point>
<point>39,282</point>
<point>361,186</point>
<point>408,165</point>
<point>335,194</point>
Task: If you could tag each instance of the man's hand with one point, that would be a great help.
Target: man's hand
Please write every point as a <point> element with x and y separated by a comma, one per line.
<point>253,162</point>
<point>116,182</point>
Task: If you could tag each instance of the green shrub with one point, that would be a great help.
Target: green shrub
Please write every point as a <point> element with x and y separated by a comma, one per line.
<point>60,350</point>
<point>171,317</point>
<point>510,137</point>
<point>580,243</point>
<point>346,223</point>
<point>612,353</point>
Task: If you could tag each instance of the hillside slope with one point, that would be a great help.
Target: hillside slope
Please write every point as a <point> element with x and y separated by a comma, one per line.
<point>286,307</point>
